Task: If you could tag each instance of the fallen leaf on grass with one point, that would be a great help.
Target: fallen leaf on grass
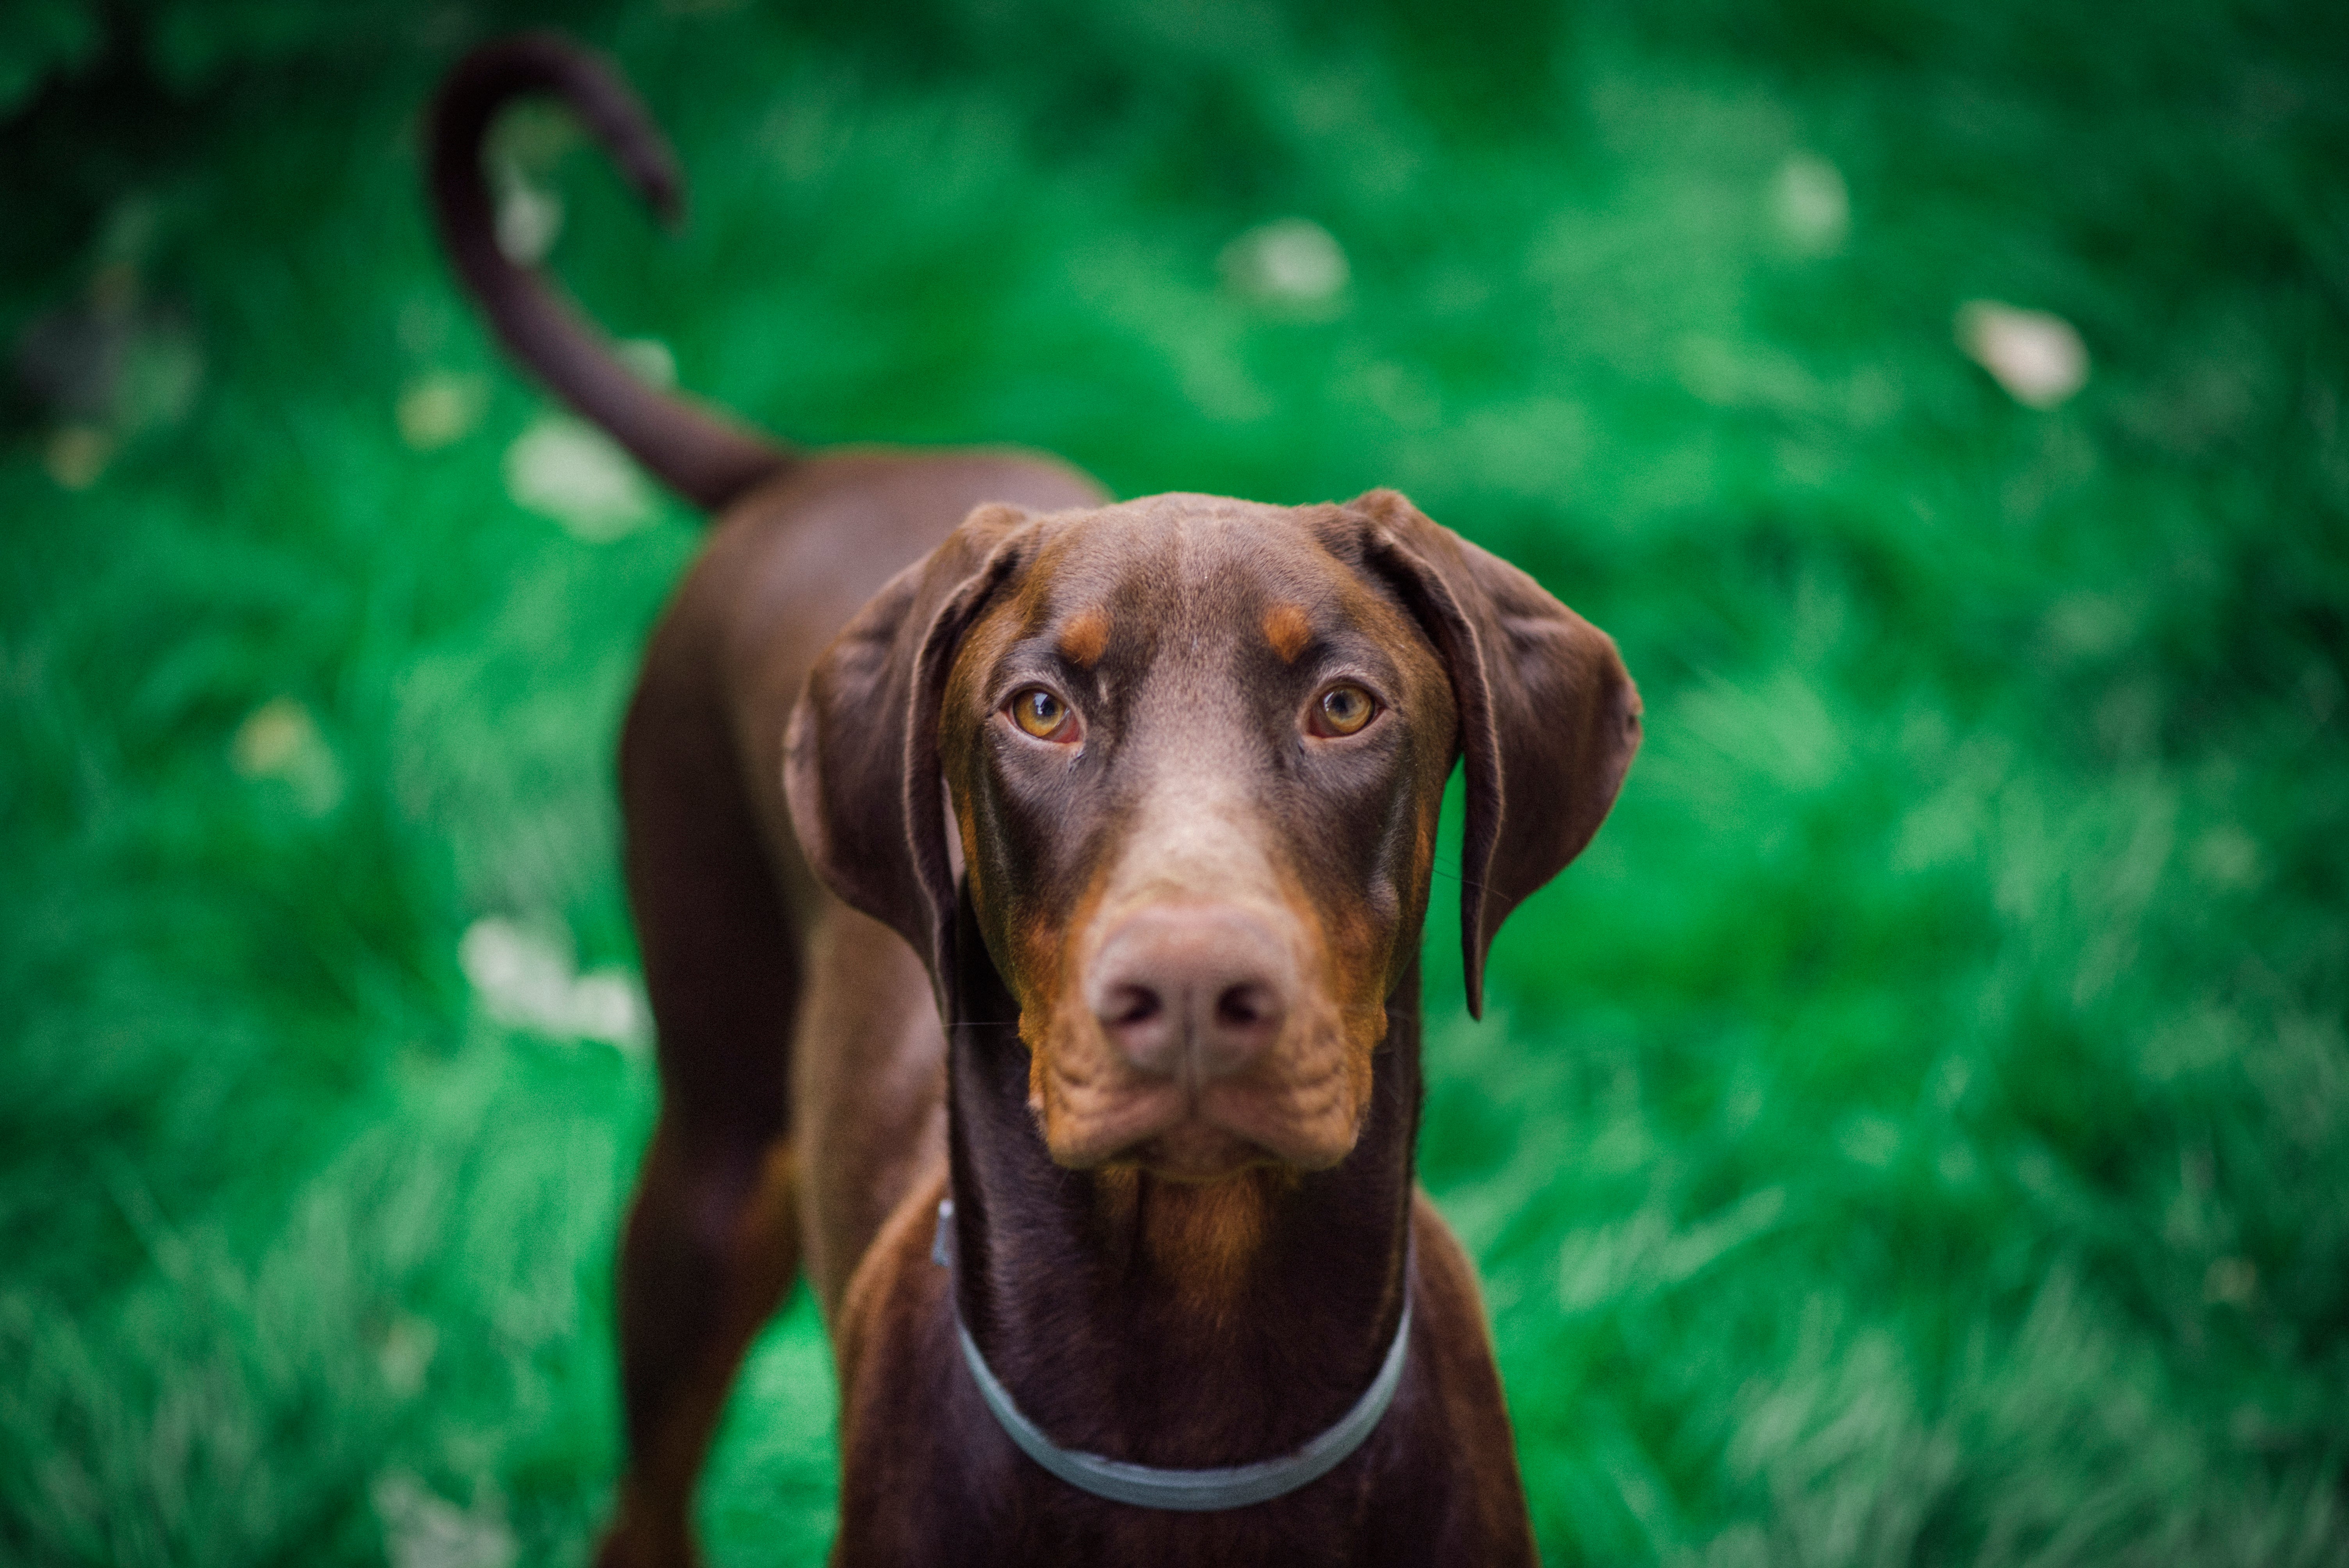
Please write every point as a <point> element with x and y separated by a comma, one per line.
<point>438,409</point>
<point>280,741</point>
<point>421,1530</point>
<point>577,475</point>
<point>527,982</point>
<point>2037,358</point>
<point>1293,263</point>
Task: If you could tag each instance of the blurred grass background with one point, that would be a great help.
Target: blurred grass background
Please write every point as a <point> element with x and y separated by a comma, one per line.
<point>1916,1132</point>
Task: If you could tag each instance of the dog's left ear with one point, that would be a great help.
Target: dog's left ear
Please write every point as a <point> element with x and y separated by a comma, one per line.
<point>861,759</point>
<point>1548,715</point>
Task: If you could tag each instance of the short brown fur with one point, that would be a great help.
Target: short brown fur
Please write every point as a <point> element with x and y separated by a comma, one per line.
<point>876,939</point>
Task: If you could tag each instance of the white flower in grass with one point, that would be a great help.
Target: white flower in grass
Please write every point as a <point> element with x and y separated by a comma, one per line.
<point>649,357</point>
<point>607,1005</point>
<point>525,980</point>
<point>2037,358</point>
<point>528,220</point>
<point>421,1530</point>
<point>574,474</point>
<point>279,740</point>
<point>439,408</point>
<point>1811,204</point>
<point>520,976</point>
<point>1293,262</point>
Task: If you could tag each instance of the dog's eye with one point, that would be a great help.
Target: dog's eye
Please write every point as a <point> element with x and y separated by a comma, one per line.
<point>1343,709</point>
<point>1042,715</point>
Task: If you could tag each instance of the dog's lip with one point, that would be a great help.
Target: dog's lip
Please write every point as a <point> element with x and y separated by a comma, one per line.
<point>1288,1117</point>
<point>1192,1137</point>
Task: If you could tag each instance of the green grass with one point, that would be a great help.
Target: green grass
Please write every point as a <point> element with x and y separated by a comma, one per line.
<point>1916,1132</point>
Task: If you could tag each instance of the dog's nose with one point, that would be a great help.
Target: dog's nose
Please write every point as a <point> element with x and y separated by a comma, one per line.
<point>1195,990</point>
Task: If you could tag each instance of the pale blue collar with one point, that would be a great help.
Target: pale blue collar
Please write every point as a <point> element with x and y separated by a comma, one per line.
<point>1188,1491</point>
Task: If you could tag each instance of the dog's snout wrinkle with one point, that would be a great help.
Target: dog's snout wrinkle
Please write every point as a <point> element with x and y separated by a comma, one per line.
<point>1190,992</point>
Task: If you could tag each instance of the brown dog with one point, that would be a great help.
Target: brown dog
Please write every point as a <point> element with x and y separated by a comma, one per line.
<point>1141,800</point>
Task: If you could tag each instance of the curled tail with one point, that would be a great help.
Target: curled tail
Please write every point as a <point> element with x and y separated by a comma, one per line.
<point>699,453</point>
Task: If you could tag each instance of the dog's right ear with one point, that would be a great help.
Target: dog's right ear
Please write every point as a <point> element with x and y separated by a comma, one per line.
<point>861,759</point>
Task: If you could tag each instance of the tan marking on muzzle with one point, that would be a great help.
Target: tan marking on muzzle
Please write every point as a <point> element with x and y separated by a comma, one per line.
<point>1273,1055</point>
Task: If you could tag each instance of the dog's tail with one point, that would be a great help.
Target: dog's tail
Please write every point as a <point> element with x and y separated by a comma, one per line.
<point>701,454</point>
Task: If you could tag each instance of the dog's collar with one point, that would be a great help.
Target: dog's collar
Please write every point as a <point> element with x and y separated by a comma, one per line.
<point>1185,1491</point>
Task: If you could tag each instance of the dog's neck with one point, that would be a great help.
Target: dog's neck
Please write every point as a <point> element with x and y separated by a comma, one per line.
<point>1162,1322</point>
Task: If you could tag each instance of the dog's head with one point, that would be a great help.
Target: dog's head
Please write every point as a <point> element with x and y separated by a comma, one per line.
<point>1193,751</point>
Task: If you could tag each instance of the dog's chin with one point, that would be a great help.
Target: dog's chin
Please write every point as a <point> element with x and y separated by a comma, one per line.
<point>1195,1153</point>
<point>1167,1136</point>
<point>1172,1144</point>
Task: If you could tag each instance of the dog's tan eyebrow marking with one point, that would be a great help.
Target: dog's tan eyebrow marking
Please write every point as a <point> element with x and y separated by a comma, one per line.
<point>1286,629</point>
<point>1085,636</point>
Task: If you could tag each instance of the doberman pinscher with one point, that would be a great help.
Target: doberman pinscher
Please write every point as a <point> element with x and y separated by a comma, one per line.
<point>986,838</point>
